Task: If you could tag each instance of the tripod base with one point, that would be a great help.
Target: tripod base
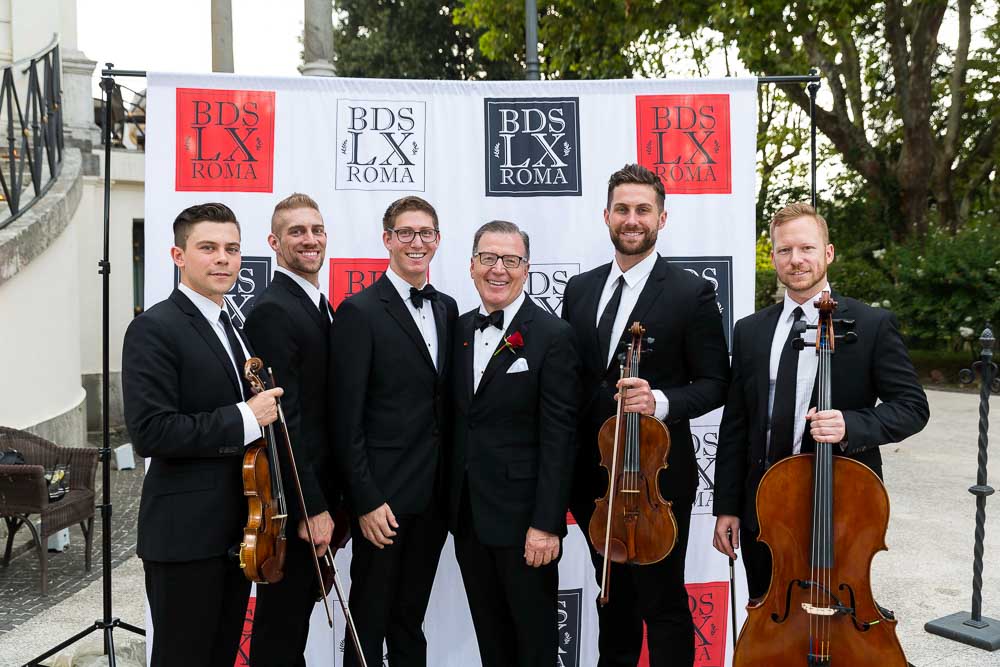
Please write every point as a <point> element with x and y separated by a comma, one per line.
<point>109,643</point>
<point>960,627</point>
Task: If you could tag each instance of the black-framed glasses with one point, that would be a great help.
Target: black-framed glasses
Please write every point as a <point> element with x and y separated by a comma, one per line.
<point>406,235</point>
<point>490,258</point>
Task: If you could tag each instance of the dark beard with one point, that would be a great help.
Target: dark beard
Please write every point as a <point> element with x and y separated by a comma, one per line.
<point>648,242</point>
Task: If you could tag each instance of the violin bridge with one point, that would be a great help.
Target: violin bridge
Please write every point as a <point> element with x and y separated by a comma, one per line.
<point>818,611</point>
<point>628,491</point>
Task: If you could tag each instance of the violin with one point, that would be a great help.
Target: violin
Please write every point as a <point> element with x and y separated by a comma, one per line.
<point>262,551</point>
<point>824,518</point>
<point>632,523</point>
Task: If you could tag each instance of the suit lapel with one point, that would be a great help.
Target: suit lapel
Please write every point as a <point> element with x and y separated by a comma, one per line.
<point>651,291</point>
<point>762,352</point>
<point>320,319</point>
<point>467,331</point>
<point>204,330</point>
<point>440,324</point>
<point>502,359</point>
<point>399,312</point>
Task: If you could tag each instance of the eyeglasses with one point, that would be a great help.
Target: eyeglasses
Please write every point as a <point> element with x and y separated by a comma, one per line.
<point>490,258</point>
<point>406,235</point>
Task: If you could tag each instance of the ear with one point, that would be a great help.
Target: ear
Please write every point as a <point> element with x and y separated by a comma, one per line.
<point>386,237</point>
<point>663,219</point>
<point>829,253</point>
<point>607,217</point>
<point>177,255</point>
<point>272,241</point>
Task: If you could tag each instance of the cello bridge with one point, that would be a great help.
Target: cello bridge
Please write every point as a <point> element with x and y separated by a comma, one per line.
<point>818,611</point>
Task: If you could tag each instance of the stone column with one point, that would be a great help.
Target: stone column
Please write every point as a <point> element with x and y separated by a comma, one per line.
<point>317,39</point>
<point>222,36</point>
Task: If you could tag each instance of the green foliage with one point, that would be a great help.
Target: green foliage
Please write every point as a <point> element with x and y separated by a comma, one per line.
<point>942,287</point>
<point>411,39</point>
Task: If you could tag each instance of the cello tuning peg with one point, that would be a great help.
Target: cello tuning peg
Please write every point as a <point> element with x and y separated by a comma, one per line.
<point>621,358</point>
<point>844,323</point>
<point>799,327</point>
<point>649,340</point>
<point>849,337</point>
<point>798,344</point>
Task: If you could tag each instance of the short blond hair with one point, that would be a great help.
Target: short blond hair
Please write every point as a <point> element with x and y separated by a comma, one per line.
<point>292,201</point>
<point>798,210</point>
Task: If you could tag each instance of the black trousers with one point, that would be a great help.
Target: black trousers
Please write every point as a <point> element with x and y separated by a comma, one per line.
<point>651,593</point>
<point>281,618</point>
<point>756,562</point>
<point>514,606</point>
<point>390,588</point>
<point>198,609</point>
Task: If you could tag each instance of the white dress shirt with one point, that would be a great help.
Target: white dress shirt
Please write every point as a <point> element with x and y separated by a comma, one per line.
<point>486,341</point>
<point>211,311</point>
<point>311,290</point>
<point>805,377</point>
<point>635,280</point>
<point>423,317</point>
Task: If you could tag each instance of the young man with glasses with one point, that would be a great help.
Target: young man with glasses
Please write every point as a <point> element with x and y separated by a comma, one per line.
<point>390,365</point>
<point>514,390</point>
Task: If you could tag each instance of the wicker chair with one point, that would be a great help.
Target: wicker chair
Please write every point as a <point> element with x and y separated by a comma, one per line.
<point>23,492</point>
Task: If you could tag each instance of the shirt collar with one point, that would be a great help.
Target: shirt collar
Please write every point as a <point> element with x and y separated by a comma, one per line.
<point>400,284</point>
<point>809,311</point>
<point>510,311</point>
<point>311,290</point>
<point>208,308</point>
<point>637,273</point>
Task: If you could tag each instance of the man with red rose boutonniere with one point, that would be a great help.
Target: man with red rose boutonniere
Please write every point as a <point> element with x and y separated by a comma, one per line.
<point>514,388</point>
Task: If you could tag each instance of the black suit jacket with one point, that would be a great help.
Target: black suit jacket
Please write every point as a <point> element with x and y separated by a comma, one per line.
<point>514,437</point>
<point>292,337</point>
<point>689,363</point>
<point>180,394</point>
<point>389,403</point>
<point>877,366</point>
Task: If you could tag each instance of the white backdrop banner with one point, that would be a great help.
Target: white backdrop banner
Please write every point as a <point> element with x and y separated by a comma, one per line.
<point>536,153</point>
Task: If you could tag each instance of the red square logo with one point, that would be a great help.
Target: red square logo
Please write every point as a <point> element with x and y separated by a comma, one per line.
<point>685,140</point>
<point>225,140</point>
<point>709,604</point>
<point>349,276</point>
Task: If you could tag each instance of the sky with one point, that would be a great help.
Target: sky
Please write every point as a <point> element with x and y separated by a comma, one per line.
<point>176,36</point>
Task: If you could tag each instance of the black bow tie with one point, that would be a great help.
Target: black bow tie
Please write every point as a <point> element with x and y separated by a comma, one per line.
<point>417,296</point>
<point>495,318</point>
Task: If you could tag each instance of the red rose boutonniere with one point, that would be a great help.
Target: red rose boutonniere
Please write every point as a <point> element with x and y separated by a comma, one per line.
<point>513,342</point>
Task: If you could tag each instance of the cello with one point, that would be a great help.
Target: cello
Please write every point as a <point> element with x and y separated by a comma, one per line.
<point>632,523</point>
<point>824,518</point>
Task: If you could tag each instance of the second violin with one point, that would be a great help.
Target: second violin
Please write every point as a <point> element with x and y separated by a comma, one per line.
<point>632,523</point>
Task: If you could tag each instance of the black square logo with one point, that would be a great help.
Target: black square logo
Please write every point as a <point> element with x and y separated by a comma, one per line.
<point>569,622</point>
<point>546,284</point>
<point>251,281</point>
<point>532,147</point>
<point>719,272</point>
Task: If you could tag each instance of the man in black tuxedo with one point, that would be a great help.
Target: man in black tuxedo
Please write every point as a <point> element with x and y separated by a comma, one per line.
<point>767,411</point>
<point>188,411</point>
<point>514,390</point>
<point>683,377</point>
<point>390,356</point>
<point>289,327</point>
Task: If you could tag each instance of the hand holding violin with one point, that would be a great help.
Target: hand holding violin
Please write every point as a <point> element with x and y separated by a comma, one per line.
<point>264,406</point>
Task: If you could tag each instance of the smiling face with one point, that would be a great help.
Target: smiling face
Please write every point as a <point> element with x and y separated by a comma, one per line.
<point>298,238</point>
<point>411,261</point>
<point>634,219</point>
<point>801,257</point>
<point>497,285</point>
<point>210,259</point>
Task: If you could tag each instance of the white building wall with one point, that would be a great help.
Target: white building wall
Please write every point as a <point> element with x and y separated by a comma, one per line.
<point>40,325</point>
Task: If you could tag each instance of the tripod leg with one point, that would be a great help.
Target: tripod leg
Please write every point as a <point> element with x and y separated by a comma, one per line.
<point>109,644</point>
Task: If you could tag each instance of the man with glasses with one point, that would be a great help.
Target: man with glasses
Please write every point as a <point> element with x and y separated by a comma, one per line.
<point>683,377</point>
<point>514,390</point>
<point>390,365</point>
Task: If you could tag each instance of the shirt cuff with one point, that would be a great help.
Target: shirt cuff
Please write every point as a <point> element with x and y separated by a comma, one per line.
<point>251,429</point>
<point>662,405</point>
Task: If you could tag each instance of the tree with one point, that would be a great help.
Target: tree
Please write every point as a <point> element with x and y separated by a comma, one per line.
<point>917,120</point>
<point>410,39</point>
